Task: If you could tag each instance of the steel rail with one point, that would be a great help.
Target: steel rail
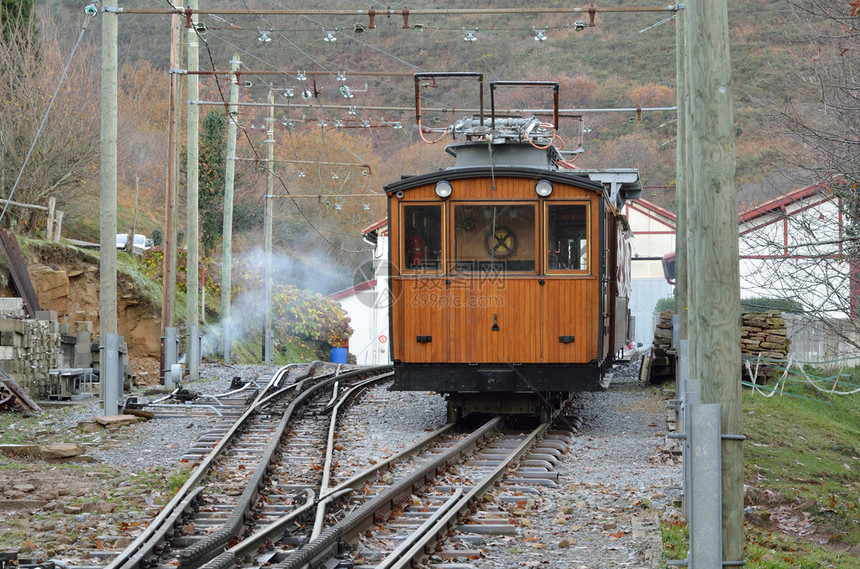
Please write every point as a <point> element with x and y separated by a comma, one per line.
<point>329,452</point>
<point>272,532</point>
<point>214,544</point>
<point>326,545</point>
<point>227,560</point>
<point>132,555</point>
<point>136,554</point>
<point>422,538</point>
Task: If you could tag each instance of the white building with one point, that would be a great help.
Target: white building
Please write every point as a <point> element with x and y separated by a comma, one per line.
<point>653,237</point>
<point>366,304</point>
<point>794,248</point>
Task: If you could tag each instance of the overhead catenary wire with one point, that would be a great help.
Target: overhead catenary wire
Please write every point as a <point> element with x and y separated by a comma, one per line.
<point>188,13</point>
<point>254,150</point>
<point>313,14</point>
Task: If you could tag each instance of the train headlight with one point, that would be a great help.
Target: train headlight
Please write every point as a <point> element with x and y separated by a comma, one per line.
<point>543,188</point>
<point>443,188</point>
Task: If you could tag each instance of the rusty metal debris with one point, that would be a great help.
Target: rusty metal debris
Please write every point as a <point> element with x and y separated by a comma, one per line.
<point>13,398</point>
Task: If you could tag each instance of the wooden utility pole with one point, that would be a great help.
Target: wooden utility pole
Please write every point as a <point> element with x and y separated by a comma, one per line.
<point>268,343</point>
<point>682,189</point>
<point>192,283</point>
<point>227,242</point>
<point>108,160</point>
<point>168,276</point>
<point>715,305</point>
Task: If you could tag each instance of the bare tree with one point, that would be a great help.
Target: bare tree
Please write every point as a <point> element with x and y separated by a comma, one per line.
<point>66,153</point>
<point>805,248</point>
<point>815,126</point>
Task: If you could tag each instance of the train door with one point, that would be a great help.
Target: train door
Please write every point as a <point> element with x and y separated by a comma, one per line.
<point>418,290</point>
<point>493,299</point>
<point>569,294</point>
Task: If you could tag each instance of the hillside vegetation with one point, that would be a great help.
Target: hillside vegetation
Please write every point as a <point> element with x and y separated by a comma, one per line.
<point>625,60</point>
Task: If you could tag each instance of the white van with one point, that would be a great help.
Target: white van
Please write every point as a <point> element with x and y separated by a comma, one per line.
<point>140,244</point>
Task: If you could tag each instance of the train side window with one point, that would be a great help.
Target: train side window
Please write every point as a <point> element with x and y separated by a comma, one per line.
<point>567,237</point>
<point>422,237</point>
<point>494,238</point>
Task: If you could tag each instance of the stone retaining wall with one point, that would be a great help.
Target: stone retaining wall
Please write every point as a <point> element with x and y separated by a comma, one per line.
<point>30,348</point>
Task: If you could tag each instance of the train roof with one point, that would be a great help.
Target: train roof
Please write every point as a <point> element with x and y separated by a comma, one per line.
<point>526,161</point>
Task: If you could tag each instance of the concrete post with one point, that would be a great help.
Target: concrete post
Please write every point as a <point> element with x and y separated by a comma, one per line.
<point>267,230</point>
<point>111,374</point>
<point>49,227</point>
<point>192,286</point>
<point>108,177</point>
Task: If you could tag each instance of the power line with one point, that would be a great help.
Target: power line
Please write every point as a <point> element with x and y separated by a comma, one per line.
<point>372,13</point>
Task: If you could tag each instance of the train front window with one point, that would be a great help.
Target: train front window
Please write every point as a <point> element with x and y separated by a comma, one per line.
<point>422,237</point>
<point>494,238</point>
<point>567,237</point>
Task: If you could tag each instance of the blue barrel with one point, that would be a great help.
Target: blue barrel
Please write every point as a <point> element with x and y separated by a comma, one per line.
<point>338,355</point>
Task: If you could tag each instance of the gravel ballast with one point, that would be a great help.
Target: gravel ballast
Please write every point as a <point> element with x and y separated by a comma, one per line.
<point>614,481</point>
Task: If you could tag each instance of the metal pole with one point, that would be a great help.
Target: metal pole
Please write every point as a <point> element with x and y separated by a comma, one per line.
<point>705,518</point>
<point>171,351</point>
<point>192,232</point>
<point>268,343</point>
<point>107,194</point>
<point>691,397</point>
<point>717,350</point>
<point>227,243</point>
<point>193,346</point>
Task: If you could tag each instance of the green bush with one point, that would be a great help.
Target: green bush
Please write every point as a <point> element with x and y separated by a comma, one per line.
<point>667,303</point>
<point>309,316</point>
<point>764,304</point>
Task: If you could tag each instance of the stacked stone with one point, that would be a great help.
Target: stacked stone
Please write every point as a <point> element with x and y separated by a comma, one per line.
<point>764,334</point>
<point>30,348</point>
<point>663,332</point>
<point>661,360</point>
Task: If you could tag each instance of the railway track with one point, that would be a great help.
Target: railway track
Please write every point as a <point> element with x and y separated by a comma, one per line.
<point>413,500</point>
<point>257,470</point>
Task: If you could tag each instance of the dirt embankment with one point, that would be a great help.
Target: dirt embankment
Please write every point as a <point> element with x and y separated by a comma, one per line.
<point>66,281</point>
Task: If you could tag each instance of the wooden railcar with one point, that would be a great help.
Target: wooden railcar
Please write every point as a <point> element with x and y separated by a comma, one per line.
<point>509,273</point>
